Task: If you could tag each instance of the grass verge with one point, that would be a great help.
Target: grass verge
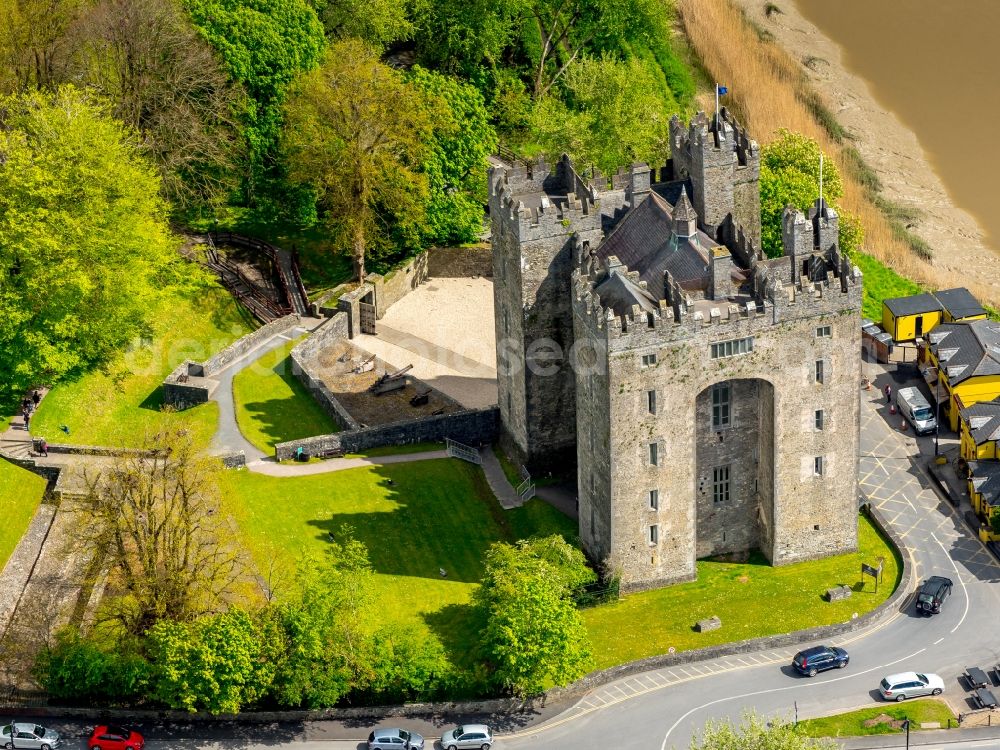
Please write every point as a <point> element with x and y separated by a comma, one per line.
<point>753,600</point>
<point>272,406</point>
<point>20,493</point>
<point>866,720</point>
<point>416,519</point>
<point>880,283</point>
<point>121,404</point>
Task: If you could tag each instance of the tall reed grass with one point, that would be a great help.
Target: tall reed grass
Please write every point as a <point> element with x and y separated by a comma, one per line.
<point>769,91</point>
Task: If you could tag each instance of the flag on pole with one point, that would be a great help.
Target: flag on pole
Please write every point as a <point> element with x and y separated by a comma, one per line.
<point>721,89</point>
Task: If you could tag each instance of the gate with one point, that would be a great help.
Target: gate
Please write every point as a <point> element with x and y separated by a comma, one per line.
<point>367,314</point>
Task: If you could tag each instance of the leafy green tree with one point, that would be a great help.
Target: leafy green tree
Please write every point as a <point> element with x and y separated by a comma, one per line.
<point>220,663</point>
<point>568,563</point>
<point>376,22</point>
<point>84,241</point>
<point>326,628</point>
<point>460,36</point>
<point>457,158</point>
<point>616,116</point>
<point>81,669</point>
<point>356,132</point>
<point>789,175</point>
<point>755,733</point>
<point>406,665</point>
<point>264,45</point>
<point>533,632</point>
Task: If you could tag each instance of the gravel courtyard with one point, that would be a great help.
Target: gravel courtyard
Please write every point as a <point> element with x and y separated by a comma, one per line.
<point>445,329</point>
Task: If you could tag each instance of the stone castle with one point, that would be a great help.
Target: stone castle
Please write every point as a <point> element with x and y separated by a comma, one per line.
<point>706,394</point>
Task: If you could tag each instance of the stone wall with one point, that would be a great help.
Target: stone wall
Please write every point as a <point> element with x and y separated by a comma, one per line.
<point>303,359</point>
<point>472,427</point>
<point>219,361</point>
<point>459,262</point>
<point>399,282</point>
<point>349,305</point>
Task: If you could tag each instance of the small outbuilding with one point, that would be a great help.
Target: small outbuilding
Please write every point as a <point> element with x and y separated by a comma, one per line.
<point>959,305</point>
<point>980,430</point>
<point>909,318</point>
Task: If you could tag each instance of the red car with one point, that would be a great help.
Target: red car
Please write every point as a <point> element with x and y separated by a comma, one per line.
<point>115,738</point>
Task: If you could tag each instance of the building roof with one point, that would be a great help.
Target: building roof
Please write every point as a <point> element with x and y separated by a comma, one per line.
<point>915,304</point>
<point>959,303</point>
<point>645,241</point>
<point>967,350</point>
<point>984,420</point>
<point>620,293</point>
<point>985,478</point>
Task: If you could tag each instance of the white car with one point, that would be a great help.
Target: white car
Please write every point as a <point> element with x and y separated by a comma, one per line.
<point>899,687</point>
<point>30,737</point>
<point>472,736</point>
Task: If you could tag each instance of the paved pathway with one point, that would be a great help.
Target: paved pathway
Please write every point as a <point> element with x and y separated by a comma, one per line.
<point>497,480</point>
<point>273,468</point>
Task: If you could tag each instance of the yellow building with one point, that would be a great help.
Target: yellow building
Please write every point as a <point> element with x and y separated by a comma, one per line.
<point>980,430</point>
<point>908,318</point>
<point>984,488</point>
<point>967,356</point>
<point>959,306</point>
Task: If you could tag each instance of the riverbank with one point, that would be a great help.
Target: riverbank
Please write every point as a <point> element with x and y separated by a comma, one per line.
<point>892,150</point>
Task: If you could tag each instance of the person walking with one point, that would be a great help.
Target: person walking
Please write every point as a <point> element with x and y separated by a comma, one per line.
<point>888,393</point>
<point>43,448</point>
<point>27,420</point>
<point>36,397</point>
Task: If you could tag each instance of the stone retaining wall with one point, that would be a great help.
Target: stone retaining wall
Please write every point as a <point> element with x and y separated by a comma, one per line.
<point>304,354</point>
<point>460,262</point>
<point>471,426</point>
<point>219,361</point>
<point>399,282</point>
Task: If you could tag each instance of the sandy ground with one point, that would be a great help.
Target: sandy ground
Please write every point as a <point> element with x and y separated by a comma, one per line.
<point>888,146</point>
<point>445,329</point>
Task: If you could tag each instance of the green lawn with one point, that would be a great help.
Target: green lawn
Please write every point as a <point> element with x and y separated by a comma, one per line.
<point>880,283</point>
<point>120,405</point>
<point>272,406</point>
<point>20,493</point>
<point>434,514</point>
<point>852,724</point>
<point>752,599</point>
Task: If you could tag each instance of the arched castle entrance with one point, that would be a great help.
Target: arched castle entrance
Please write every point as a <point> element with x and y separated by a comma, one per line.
<point>734,467</point>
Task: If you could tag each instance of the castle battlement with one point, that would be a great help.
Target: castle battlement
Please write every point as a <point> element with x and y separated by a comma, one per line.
<point>715,140</point>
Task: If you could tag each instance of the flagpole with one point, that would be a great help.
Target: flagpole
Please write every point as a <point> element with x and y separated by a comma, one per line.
<point>717,106</point>
<point>820,180</point>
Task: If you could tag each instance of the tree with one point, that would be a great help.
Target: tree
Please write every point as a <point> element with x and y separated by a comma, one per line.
<point>264,45</point>
<point>154,517</point>
<point>219,663</point>
<point>84,241</point>
<point>356,132</point>
<point>37,42</point>
<point>457,158</point>
<point>789,175</point>
<point>532,633</point>
<point>83,669</point>
<point>163,80</point>
<point>326,627</point>
<point>616,116</point>
<point>754,733</point>
<point>375,22</point>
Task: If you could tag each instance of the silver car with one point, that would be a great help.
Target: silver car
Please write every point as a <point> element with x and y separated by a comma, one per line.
<point>476,736</point>
<point>394,739</point>
<point>899,687</point>
<point>30,737</point>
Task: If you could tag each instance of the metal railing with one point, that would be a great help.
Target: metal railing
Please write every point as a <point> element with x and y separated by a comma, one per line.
<point>465,452</point>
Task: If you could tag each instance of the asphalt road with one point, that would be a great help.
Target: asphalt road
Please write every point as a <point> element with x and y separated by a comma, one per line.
<point>666,708</point>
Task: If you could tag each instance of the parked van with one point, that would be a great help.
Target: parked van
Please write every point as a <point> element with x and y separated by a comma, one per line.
<point>916,409</point>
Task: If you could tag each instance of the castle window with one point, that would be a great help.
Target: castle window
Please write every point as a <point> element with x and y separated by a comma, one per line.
<point>823,332</point>
<point>648,360</point>
<point>720,484</point>
<point>720,406</point>
<point>654,534</point>
<point>818,466</point>
<point>651,401</point>
<point>820,371</point>
<point>650,320</point>
<point>654,457</point>
<point>508,402</point>
<point>654,499</point>
<point>819,416</point>
<point>506,322</point>
<point>722,349</point>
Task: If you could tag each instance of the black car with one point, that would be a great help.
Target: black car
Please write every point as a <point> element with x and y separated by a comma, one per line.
<point>819,659</point>
<point>933,594</point>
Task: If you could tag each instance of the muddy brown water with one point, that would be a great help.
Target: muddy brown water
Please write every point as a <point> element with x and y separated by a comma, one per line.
<point>935,64</point>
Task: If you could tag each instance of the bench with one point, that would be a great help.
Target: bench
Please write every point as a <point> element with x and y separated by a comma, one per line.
<point>329,453</point>
<point>976,678</point>
<point>984,698</point>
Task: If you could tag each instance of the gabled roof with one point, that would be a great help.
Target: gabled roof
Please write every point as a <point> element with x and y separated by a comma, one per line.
<point>959,303</point>
<point>983,420</point>
<point>645,241</point>
<point>916,304</point>
<point>620,293</point>
<point>967,350</point>
<point>985,478</point>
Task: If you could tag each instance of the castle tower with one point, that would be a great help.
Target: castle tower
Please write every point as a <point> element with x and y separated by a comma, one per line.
<point>723,164</point>
<point>536,212</point>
